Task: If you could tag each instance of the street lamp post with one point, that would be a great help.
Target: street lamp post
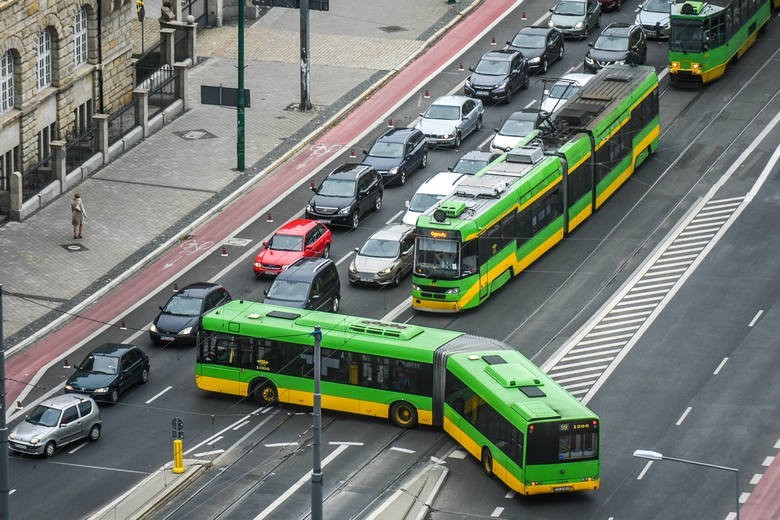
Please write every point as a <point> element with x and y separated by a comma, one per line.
<point>654,455</point>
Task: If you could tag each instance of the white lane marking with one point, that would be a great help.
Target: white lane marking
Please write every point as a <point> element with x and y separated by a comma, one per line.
<point>532,103</point>
<point>218,435</point>
<point>720,366</point>
<point>345,443</point>
<point>101,467</point>
<point>755,318</point>
<point>394,217</point>
<point>213,441</point>
<point>497,512</point>
<point>12,491</point>
<point>744,497</point>
<point>208,453</point>
<point>731,516</point>
<point>437,460</point>
<point>394,313</point>
<point>756,478</point>
<point>402,450</point>
<point>345,257</point>
<point>768,461</point>
<point>303,480</point>
<point>240,425</point>
<point>683,416</point>
<point>77,448</point>
<point>510,495</point>
<point>777,444</point>
<point>158,395</point>
<point>280,444</point>
<point>644,470</point>
<point>457,454</point>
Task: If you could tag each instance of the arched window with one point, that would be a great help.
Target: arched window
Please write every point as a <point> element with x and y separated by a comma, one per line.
<point>6,82</point>
<point>80,37</point>
<point>44,59</point>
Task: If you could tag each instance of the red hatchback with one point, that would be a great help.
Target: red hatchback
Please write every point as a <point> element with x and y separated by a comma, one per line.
<point>294,240</point>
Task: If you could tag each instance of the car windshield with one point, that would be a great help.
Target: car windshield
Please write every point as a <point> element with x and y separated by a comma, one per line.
<point>288,290</point>
<point>686,36</point>
<point>286,242</point>
<point>337,188</point>
<point>448,112</point>
<point>490,67</point>
<point>387,150</point>
<point>657,6</point>
<point>516,127</point>
<point>563,90</point>
<point>379,248</point>
<point>438,258</point>
<point>528,41</point>
<point>570,8</point>
<point>609,42</point>
<point>469,166</point>
<point>44,416</point>
<point>183,306</point>
<point>422,201</point>
<point>100,364</point>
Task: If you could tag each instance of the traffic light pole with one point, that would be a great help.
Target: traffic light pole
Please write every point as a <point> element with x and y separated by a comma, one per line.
<point>240,100</point>
<point>316,474</point>
<point>305,105</point>
<point>4,482</point>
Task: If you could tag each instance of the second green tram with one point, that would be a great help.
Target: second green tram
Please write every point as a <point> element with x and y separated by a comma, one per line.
<point>707,36</point>
<point>500,221</point>
<point>523,427</point>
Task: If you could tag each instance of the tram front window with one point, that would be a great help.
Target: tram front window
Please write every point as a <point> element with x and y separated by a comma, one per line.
<point>687,36</point>
<point>436,258</point>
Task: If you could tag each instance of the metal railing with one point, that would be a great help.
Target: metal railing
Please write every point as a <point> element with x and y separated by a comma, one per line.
<point>36,178</point>
<point>161,85</point>
<point>80,147</point>
<point>121,122</point>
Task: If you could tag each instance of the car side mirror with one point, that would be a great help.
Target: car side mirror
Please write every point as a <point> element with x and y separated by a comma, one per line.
<point>449,168</point>
<point>365,152</point>
<point>406,203</point>
<point>551,10</point>
<point>265,292</point>
<point>357,249</point>
<point>313,188</point>
<point>508,43</point>
<point>422,115</point>
<point>590,44</point>
<point>495,130</point>
<point>265,244</point>
<point>160,307</point>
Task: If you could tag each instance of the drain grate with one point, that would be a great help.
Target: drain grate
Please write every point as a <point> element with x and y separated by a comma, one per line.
<point>392,28</point>
<point>194,135</point>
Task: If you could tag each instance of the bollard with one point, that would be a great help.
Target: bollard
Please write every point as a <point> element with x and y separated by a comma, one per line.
<point>178,456</point>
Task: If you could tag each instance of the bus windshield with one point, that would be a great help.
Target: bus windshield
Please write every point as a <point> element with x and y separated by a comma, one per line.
<point>436,258</point>
<point>562,441</point>
<point>687,36</point>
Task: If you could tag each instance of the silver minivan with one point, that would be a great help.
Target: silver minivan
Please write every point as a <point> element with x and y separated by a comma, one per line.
<point>55,423</point>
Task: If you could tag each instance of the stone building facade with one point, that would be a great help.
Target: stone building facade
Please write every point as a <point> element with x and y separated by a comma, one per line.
<point>61,61</point>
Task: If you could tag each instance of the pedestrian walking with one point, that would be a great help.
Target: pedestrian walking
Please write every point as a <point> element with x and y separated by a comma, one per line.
<point>78,214</point>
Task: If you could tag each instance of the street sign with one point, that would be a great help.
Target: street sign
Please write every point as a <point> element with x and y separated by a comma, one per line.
<point>178,428</point>
<point>314,5</point>
<point>139,10</point>
<point>225,96</point>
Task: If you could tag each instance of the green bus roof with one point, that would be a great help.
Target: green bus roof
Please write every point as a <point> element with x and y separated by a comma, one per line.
<point>246,318</point>
<point>699,9</point>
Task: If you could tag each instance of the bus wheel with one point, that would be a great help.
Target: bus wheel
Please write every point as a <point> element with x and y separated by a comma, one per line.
<point>264,392</point>
<point>403,414</point>
<point>487,462</point>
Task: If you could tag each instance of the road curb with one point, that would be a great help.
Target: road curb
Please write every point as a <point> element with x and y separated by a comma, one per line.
<point>414,499</point>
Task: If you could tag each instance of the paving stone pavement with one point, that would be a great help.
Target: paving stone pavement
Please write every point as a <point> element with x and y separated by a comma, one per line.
<point>156,191</point>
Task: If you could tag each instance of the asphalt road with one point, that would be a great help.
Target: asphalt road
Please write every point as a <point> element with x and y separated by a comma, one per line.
<point>669,370</point>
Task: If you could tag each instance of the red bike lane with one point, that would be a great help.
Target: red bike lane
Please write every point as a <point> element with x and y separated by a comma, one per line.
<point>22,367</point>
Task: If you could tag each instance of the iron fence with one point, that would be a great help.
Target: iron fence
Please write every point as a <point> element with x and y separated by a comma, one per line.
<point>161,85</point>
<point>121,122</point>
<point>36,178</point>
<point>80,147</point>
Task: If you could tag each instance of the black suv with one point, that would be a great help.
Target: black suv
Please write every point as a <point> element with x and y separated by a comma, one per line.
<point>540,46</point>
<point>618,42</point>
<point>398,152</point>
<point>498,75</point>
<point>309,283</point>
<point>179,317</point>
<point>346,195</point>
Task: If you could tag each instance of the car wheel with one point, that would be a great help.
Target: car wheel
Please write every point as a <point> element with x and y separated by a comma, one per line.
<point>334,307</point>
<point>457,140</point>
<point>114,397</point>
<point>94,432</point>
<point>403,414</point>
<point>527,80</point>
<point>264,392</point>
<point>378,201</point>
<point>560,52</point>
<point>49,449</point>
<point>508,98</point>
<point>355,219</point>
<point>479,123</point>
<point>397,279</point>
<point>144,375</point>
<point>424,162</point>
<point>487,462</point>
<point>326,251</point>
<point>598,21</point>
<point>401,180</point>
<point>544,65</point>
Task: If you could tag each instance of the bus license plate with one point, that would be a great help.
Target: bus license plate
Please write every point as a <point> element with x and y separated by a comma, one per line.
<point>562,489</point>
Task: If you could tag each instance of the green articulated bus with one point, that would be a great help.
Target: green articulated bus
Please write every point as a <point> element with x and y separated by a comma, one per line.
<point>707,36</point>
<point>508,215</point>
<point>524,428</point>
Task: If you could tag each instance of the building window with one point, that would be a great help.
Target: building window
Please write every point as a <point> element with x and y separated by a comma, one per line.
<point>82,118</point>
<point>6,82</point>
<point>9,163</point>
<point>45,137</point>
<point>44,60</point>
<point>80,37</point>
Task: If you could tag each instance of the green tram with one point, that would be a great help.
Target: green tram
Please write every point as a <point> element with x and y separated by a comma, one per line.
<point>523,427</point>
<point>707,36</point>
<point>508,215</point>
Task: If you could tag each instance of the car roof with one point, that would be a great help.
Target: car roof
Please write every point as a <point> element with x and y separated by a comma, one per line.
<point>477,155</point>
<point>199,289</point>
<point>63,401</point>
<point>439,182</point>
<point>536,29</point>
<point>298,226</point>
<point>500,54</point>
<point>392,232</point>
<point>524,115</point>
<point>580,77</point>
<point>113,348</point>
<point>349,171</point>
<point>397,135</point>
<point>304,268</point>
<point>451,100</point>
<point>617,28</point>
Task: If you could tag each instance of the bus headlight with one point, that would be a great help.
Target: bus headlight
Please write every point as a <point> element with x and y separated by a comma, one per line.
<point>696,68</point>
<point>452,290</point>
<point>675,65</point>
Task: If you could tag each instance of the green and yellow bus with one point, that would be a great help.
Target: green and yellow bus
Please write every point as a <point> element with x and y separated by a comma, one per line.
<point>500,221</point>
<point>707,36</point>
<point>523,427</point>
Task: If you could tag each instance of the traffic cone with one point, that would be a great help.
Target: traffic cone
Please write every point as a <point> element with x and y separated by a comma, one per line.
<point>523,16</point>
<point>427,94</point>
<point>390,123</point>
<point>65,363</point>
<point>493,40</point>
<point>175,287</point>
<point>122,325</point>
<point>460,66</point>
<point>224,251</point>
<point>19,405</point>
<point>311,185</point>
<point>269,218</point>
<point>352,154</point>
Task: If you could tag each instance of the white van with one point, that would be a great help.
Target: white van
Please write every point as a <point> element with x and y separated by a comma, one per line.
<point>429,193</point>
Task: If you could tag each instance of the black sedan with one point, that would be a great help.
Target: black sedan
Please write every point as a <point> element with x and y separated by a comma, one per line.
<point>108,371</point>
<point>178,318</point>
<point>397,153</point>
<point>540,45</point>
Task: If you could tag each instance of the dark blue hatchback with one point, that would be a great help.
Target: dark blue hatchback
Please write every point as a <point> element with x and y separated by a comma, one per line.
<point>397,153</point>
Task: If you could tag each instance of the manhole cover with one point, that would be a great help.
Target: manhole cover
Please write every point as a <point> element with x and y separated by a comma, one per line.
<point>392,28</point>
<point>74,248</point>
<point>194,135</point>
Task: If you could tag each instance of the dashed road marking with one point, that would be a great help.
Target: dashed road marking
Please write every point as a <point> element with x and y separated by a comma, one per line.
<point>457,454</point>
<point>402,450</point>
<point>158,395</point>
<point>683,416</point>
<point>755,318</point>
<point>644,470</point>
<point>497,512</point>
<point>720,366</point>
<point>756,478</point>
